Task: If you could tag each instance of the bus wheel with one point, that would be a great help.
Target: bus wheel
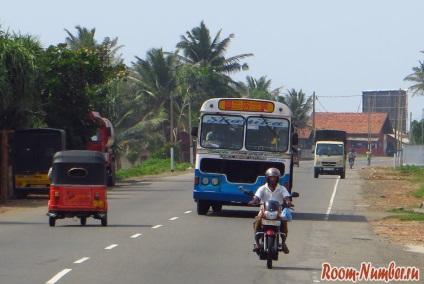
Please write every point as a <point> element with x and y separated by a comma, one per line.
<point>202,207</point>
<point>216,207</point>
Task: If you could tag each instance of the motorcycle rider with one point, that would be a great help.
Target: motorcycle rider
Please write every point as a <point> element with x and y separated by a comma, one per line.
<point>271,190</point>
<point>352,155</point>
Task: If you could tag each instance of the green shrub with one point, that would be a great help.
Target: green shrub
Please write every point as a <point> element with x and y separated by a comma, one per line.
<point>152,166</point>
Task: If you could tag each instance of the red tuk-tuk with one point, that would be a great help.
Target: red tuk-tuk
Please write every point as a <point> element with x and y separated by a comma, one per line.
<point>78,187</point>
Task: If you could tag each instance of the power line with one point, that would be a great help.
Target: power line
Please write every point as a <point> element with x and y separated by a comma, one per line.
<point>321,104</point>
<point>340,96</point>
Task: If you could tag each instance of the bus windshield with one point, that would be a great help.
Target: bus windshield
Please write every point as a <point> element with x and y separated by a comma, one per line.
<point>267,134</point>
<point>262,133</point>
<point>222,131</point>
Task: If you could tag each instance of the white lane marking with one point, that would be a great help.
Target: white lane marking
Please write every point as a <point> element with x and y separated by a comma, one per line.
<point>135,236</point>
<point>415,248</point>
<point>57,277</point>
<point>173,218</point>
<point>157,226</point>
<point>327,214</point>
<point>111,246</point>
<point>187,212</point>
<point>81,260</point>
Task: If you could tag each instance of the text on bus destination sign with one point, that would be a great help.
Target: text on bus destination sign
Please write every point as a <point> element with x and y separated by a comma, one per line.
<point>246,105</point>
<point>252,121</point>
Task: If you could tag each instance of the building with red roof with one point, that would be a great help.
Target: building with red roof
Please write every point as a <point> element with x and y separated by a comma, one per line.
<point>363,130</point>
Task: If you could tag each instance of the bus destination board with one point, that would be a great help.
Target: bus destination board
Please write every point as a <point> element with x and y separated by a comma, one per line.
<point>246,105</point>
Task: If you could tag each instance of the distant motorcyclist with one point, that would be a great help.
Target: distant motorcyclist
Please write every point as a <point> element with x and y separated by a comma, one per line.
<point>272,190</point>
<point>352,156</point>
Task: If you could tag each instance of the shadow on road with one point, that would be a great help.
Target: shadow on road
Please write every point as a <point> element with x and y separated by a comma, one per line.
<point>234,213</point>
<point>296,268</point>
<point>304,216</point>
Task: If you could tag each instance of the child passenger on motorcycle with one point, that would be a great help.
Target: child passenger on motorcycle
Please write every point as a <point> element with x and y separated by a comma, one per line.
<point>272,190</point>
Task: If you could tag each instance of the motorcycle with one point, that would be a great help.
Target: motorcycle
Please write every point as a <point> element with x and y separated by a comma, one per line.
<point>351,162</point>
<point>271,239</point>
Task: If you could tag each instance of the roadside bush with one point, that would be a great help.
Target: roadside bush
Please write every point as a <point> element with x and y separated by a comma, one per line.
<point>152,166</point>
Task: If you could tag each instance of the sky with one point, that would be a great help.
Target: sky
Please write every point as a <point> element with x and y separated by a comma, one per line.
<point>334,48</point>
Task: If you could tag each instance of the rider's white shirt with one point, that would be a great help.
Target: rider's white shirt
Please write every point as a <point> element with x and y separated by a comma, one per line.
<point>265,194</point>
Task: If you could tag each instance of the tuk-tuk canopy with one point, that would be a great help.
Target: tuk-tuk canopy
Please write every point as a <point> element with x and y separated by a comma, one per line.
<point>81,167</point>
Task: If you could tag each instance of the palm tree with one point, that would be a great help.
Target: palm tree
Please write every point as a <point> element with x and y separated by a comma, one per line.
<point>205,72</point>
<point>199,49</point>
<point>85,40</point>
<point>299,105</point>
<point>258,89</point>
<point>156,81</point>
<point>418,78</point>
<point>107,51</point>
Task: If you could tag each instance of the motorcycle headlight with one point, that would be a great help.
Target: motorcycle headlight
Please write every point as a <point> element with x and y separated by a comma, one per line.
<point>271,215</point>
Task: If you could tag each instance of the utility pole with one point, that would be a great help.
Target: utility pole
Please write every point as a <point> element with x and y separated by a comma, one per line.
<point>171,138</point>
<point>396,132</point>
<point>313,115</point>
<point>401,120</point>
<point>369,124</point>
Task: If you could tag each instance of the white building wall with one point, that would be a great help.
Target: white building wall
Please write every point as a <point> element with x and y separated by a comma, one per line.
<point>413,155</point>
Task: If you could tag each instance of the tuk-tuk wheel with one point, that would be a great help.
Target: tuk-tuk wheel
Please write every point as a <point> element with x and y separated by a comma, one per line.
<point>52,221</point>
<point>83,221</point>
<point>104,221</point>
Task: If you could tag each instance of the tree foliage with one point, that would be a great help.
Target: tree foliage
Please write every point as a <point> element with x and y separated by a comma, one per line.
<point>201,50</point>
<point>258,89</point>
<point>21,58</point>
<point>299,105</point>
<point>417,77</point>
<point>417,129</point>
<point>205,67</point>
<point>73,87</point>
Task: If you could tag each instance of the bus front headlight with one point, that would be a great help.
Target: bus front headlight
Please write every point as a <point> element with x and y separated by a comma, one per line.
<point>205,181</point>
<point>215,181</point>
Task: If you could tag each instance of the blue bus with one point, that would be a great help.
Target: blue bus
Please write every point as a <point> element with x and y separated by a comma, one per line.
<point>238,139</point>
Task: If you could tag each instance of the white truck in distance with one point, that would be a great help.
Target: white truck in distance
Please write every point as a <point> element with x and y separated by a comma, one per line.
<point>330,152</point>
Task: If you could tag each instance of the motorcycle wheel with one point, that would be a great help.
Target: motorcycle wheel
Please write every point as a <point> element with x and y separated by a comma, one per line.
<point>271,251</point>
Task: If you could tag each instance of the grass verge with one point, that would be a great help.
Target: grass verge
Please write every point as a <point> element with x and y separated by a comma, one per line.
<point>407,215</point>
<point>417,176</point>
<point>152,166</point>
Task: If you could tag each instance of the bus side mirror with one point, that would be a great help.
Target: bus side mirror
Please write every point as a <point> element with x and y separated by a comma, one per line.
<point>295,139</point>
<point>109,132</point>
<point>194,131</point>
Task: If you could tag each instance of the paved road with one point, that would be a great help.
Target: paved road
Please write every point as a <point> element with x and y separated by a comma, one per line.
<point>155,236</point>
